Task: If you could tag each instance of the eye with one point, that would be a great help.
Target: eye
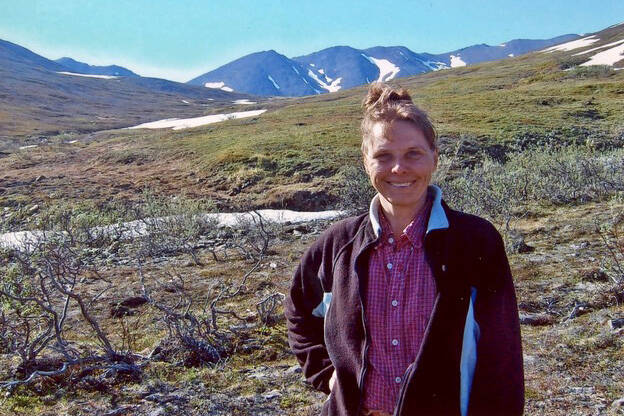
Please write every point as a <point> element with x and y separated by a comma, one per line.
<point>414,154</point>
<point>382,157</point>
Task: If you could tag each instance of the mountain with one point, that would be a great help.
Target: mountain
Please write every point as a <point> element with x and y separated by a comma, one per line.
<point>42,97</point>
<point>342,63</point>
<point>265,73</point>
<point>83,68</point>
<point>482,53</point>
<point>340,67</point>
<point>14,56</point>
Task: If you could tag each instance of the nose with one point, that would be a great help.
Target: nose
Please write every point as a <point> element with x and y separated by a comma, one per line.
<point>398,166</point>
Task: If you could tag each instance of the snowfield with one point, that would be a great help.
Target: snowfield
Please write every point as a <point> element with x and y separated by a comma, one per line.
<point>575,44</point>
<point>456,61</point>
<point>617,42</point>
<point>185,123</point>
<point>138,228</point>
<point>87,75</point>
<point>273,81</point>
<point>387,70</point>
<point>608,57</point>
<point>333,86</point>
<point>243,101</point>
<point>219,86</point>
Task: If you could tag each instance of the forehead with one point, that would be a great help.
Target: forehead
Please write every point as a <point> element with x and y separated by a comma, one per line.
<point>398,133</point>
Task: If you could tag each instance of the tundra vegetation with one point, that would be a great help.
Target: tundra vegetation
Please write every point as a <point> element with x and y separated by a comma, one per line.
<point>169,313</point>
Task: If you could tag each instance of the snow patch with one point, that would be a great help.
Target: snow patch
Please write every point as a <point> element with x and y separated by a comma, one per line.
<point>87,75</point>
<point>185,123</point>
<point>71,142</point>
<point>387,70</point>
<point>321,71</point>
<point>243,101</point>
<point>435,65</point>
<point>135,229</point>
<point>31,146</point>
<point>502,45</point>
<point>218,85</point>
<point>511,55</point>
<point>456,61</point>
<point>185,102</point>
<point>575,44</point>
<point>273,81</point>
<point>312,65</point>
<point>295,69</point>
<point>617,42</point>
<point>333,87</point>
<point>608,57</point>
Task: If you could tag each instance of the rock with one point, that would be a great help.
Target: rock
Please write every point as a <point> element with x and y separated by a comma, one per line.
<point>617,323</point>
<point>537,319</point>
<point>579,309</point>
<point>124,308</point>
<point>165,398</point>
<point>595,275</point>
<point>619,403</point>
<point>528,359</point>
<point>517,244</point>
<point>295,369</point>
<point>34,208</point>
<point>133,301</point>
<point>158,412</point>
<point>582,390</point>
<point>126,410</point>
<point>271,394</point>
<point>299,199</point>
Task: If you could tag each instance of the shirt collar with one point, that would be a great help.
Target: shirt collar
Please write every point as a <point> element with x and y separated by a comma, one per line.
<point>437,217</point>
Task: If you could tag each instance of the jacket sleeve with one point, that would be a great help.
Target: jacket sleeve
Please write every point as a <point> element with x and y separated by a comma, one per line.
<point>498,385</point>
<point>305,329</point>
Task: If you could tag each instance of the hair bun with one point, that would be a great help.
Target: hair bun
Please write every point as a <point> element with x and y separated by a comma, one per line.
<point>380,95</point>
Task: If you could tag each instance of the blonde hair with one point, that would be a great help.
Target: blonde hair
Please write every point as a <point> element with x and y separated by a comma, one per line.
<point>385,104</point>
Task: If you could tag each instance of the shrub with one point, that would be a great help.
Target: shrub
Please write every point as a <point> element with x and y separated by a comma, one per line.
<point>591,71</point>
<point>501,191</point>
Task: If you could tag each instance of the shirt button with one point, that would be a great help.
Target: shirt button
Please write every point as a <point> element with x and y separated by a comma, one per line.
<point>395,342</point>
<point>397,380</point>
<point>391,240</point>
<point>389,266</point>
<point>395,302</point>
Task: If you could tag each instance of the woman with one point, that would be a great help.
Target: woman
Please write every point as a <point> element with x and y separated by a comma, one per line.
<point>409,309</point>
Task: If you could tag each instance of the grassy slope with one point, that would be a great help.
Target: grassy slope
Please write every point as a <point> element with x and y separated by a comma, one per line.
<point>302,144</point>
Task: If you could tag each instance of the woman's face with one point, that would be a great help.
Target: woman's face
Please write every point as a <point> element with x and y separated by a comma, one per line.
<point>400,162</point>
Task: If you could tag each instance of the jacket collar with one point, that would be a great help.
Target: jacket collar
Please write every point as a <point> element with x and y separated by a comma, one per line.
<point>437,217</point>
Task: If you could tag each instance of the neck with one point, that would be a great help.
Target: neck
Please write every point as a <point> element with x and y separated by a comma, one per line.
<point>400,217</point>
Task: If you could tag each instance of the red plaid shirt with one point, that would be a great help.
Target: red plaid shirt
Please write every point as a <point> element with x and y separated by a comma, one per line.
<point>398,302</point>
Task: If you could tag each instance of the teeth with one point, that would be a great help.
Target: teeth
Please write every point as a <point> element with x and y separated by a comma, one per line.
<point>401,184</point>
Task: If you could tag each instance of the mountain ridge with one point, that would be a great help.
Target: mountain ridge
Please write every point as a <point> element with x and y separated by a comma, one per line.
<point>342,66</point>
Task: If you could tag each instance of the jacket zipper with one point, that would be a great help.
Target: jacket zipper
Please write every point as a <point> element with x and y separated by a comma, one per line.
<point>367,343</point>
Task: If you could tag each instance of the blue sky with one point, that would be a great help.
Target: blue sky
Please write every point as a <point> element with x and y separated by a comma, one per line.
<point>182,39</point>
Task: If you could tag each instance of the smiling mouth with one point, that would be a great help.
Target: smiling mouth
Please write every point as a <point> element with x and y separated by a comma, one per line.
<point>401,184</point>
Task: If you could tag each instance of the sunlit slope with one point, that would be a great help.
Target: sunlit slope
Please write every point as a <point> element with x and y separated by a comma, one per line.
<point>293,154</point>
<point>516,102</point>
